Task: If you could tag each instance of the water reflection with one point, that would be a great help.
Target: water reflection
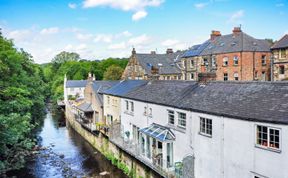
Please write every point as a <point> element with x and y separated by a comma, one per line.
<point>67,155</point>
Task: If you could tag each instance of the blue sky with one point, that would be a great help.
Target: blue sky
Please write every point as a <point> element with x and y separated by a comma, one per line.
<point>98,29</point>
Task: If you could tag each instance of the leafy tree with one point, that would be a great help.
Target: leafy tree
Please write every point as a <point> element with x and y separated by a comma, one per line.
<point>22,103</point>
<point>113,73</point>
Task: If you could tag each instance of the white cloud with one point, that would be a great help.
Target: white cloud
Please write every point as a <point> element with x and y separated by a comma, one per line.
<point>236,17</point>
<point>117,46</point>
<point>84,37</point>
<point>72,5</point>
<point>19,35</point>
<point>169,42</point>
<point>137,6</point>
<point>47,31</point>
<point>81,47</point>
<point>68,47</point>
<point>139,40</point>
<point>200,5</point>
<point>139,15</point>
<point>103,38</point>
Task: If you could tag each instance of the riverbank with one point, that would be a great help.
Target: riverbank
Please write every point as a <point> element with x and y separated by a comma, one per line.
<point>64,153</point>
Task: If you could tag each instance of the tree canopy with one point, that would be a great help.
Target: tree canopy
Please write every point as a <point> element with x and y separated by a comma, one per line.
<point>22,103</point>
<point>113,73</point>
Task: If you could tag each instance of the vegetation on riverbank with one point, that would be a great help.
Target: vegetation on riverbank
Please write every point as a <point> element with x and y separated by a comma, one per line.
<point>22,104</point>
<point>76,68</point>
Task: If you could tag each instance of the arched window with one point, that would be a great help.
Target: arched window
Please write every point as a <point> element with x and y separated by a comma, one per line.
<point>225,61</point>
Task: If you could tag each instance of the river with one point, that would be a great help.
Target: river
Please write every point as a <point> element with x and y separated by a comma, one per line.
<point>66,154</point>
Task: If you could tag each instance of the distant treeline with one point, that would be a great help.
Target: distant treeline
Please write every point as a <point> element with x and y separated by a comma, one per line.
<point>77,69</point>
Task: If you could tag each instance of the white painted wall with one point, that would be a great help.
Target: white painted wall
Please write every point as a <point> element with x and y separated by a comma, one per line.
<point>231,152</point>
<point>181,146</point>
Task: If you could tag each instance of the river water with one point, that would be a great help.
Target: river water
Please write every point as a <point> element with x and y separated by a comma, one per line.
<point>66,154</point>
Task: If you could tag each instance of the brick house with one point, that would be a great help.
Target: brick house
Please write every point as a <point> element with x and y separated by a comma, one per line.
<point>235,56</point>
<point>156,66</point>
<point>280,55</point>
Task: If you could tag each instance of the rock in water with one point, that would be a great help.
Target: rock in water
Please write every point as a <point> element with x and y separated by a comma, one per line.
<point>104,173</point>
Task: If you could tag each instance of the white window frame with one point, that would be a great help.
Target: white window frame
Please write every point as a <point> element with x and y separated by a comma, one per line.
<point>182,119</point>
<point>236,58</point>
<point>224,77</point>
<point>127,105</point>
<point>265,60</point>
<point>171,113</point>
<point>192,63</point>
<point>268,147</point>
<point>225,59</point>
<point>131,106</point>
<point>236,75</point>
<point>191,76</point>
<point>204,131</point>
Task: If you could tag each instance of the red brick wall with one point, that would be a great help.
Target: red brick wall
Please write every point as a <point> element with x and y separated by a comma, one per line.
<point>244,67</point>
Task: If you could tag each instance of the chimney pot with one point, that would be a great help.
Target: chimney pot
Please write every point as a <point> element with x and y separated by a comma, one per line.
<point>133,51</point>
<point>215,34</point>
<point>169,51</point>
<point>236,30</point>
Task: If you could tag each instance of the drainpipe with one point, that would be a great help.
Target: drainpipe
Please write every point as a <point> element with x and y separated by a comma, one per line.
<point>253,65</point>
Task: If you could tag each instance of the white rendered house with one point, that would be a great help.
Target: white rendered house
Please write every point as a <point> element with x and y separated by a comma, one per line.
<point>230,129</point>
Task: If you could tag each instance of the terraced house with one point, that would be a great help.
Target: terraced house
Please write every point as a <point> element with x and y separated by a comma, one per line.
<point>280,54</point>
<point>217,129</point>
<point>153,66</point>
<point>236,56</point>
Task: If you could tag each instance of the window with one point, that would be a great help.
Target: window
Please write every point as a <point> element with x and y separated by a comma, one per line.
<point>192,76</point>
<point>205,61</point>
<point>282,53</point>
<point>150,111</point>
<point>171,119</point>
<point>263,60</point>
<point>127,105</point>
<point>213,61</point>
<point>192,63</point>
<point>132,106</point>
<point>225,61</point>
<point>281,70</point>
<point>206,126</point>
<point>168,77</point>
<point>236,77</point>
<point>108,100</point>
<point>236,60</point>
<point>268,137</point>
<point>145,111</point>
<point>181,119</point>
<point>225,77</point>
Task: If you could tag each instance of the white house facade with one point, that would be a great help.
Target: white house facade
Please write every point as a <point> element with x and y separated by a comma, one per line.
<point>245,139</point>
<point>74,88</point>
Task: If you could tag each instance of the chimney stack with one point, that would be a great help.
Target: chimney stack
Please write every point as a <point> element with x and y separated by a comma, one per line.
<point>236,31</point>
<point>133,51</point>
<point>153,52</point>
<point>169,51</point>
<point>214,34</point>
<point>90,78</point>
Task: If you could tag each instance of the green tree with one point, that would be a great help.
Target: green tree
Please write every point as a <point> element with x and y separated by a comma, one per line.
<point>22,103</point>
<point>113,73</point>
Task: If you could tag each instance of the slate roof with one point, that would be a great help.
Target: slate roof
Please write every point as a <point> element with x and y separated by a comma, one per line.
<point>85,107</point>
<point>123,87</point>
<point>167,60</point>
<point>196,49</point>
<point>236,43</point>
<point>76,83</point>
<point>251,101</point>
<point>282,43</point>
<point>99,86</point>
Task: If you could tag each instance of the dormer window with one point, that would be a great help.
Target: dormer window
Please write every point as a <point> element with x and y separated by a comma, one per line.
<point>225,61</point>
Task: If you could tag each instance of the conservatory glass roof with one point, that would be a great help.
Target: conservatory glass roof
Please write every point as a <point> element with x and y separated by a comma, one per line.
<point>159,132</point>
